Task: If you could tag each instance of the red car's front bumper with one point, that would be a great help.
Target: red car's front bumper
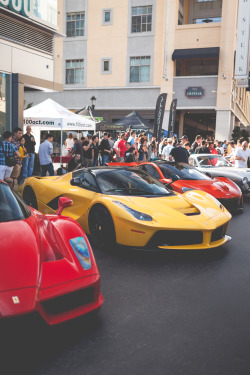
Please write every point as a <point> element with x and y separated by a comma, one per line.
<point>55,304</point>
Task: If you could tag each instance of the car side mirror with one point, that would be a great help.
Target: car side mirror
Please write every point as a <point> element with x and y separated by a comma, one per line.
<point>63,202</point>
<point>77,181</point>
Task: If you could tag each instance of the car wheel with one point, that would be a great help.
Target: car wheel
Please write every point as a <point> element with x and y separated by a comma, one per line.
<point>101,227</point>
<point>29,197</point>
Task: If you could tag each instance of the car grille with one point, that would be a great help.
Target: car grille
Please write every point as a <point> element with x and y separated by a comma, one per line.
<point>219,233</point>
<point>69,301</point>
<point>231,204</point>
<point>176,238</point>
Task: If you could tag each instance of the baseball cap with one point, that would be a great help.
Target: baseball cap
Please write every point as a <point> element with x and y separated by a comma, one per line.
<point>184,137</point>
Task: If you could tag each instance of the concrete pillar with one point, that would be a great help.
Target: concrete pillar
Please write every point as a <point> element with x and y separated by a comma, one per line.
<point>181,124</point>
<point>224,125</point>
<point>17,102</point>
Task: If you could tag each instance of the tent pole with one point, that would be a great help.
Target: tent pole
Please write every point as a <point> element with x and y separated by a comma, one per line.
<point>61,147</point>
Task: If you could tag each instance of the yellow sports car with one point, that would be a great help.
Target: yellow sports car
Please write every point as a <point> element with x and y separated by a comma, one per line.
<point>126,206</point>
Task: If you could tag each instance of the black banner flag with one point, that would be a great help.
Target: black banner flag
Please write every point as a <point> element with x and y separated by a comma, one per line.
<point>171,122</point>
<point>159,114</point>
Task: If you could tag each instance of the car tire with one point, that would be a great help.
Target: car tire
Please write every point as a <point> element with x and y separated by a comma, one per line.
<point>29,197</point>
<point>101,227</point>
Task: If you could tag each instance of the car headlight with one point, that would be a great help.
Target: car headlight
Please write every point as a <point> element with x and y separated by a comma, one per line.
<point>138,215</point>
<point>184,189</point>
<point>81,250</point>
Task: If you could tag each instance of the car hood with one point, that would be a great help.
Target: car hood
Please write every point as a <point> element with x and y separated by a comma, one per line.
<point>19,255</point>
<point>213,187</point>
<point>242,172</point>
<point>176,206</point>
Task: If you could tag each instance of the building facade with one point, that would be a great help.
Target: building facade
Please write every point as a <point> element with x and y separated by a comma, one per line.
<point>126,53</point>
<point>27,32</point>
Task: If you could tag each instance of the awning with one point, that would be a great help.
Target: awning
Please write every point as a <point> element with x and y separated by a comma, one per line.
<point>193,53</point>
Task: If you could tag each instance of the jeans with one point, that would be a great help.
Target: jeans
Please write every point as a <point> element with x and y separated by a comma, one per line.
<point>105,159</point>
<point>95,162</point>
<point>87,163</point>
<point>28,166</point>
<point>47,168</point>
<point>5,171</point>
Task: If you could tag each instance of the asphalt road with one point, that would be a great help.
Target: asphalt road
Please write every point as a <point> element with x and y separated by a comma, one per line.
<point>172,313</point>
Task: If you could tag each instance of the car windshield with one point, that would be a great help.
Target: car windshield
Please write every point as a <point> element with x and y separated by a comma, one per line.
<point>211,161</point>
<point>128,182</point>
<point>183,171</point>
<point>11,206</point>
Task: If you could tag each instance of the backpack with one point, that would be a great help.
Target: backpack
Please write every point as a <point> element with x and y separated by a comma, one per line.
<point>10,161</point>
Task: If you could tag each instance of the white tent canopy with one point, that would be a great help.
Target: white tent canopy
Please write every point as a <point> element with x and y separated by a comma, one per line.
<point>50,115</point>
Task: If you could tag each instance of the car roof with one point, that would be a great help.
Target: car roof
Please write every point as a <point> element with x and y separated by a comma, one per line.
<point>97,170</point>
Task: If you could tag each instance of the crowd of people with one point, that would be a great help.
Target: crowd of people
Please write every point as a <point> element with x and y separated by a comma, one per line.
<point>130,147</point>
<point>17,151</point>
<point>17,154</point>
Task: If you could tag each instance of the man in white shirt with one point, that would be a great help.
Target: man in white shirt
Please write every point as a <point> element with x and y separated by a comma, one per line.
<point>45,152</point>
<point>241,156</point>
<point>167,149</point>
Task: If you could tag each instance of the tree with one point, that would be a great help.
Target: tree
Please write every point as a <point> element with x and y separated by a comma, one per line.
<point>239,133</point>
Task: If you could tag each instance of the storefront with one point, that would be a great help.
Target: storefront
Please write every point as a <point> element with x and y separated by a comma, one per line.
<point>27,31</point>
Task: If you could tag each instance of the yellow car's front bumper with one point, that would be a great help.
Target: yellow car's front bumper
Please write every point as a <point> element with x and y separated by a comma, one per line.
<point>150,237</point>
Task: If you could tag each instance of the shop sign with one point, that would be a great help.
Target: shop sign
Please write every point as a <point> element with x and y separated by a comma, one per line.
<point>242,46</point>
<point>22,7</point>
<point>194,92</point>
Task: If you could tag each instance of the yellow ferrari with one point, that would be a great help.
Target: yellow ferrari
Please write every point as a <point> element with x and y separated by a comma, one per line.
<point>126,206</point>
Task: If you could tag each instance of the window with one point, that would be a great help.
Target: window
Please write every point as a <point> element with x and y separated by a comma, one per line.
<point>207,4</point>
<point>152,171</point>
<point>75,24</point>
<point>140,69</point>
<point>107,16</point>
<point>106,65</point>
<point>88,182</point>
<point>197,67</point>
<point>199,11</point>
<point>207,20</point>
<point>74,72</point>
<point>141,19</point>
<point>181,12</point>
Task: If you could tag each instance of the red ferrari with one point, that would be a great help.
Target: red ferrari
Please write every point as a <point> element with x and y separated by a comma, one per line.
<point>46,263</point>
<point>182,177</point>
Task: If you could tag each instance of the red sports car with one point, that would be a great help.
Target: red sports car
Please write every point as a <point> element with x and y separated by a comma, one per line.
<point>182,177</point>
<point>46,263</point>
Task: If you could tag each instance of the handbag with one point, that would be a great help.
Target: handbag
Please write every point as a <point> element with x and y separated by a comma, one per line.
<point>10,161</point>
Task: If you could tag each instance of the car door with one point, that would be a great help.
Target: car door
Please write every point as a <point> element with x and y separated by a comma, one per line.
<point>82,195</point>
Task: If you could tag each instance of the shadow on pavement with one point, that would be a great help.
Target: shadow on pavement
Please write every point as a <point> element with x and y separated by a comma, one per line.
<point>27,342</point>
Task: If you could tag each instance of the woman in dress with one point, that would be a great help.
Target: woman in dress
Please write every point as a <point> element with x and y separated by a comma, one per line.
<point>69,143</point>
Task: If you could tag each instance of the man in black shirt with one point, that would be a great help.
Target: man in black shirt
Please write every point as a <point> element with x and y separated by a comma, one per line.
<point>180,154</point>
<point>87,152</point>
<point>28,162</point>
<point>77,149</point>
<point>105,149</point>
<point>203,149</point>
<point>95,149</point>
<point>130,155</point>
